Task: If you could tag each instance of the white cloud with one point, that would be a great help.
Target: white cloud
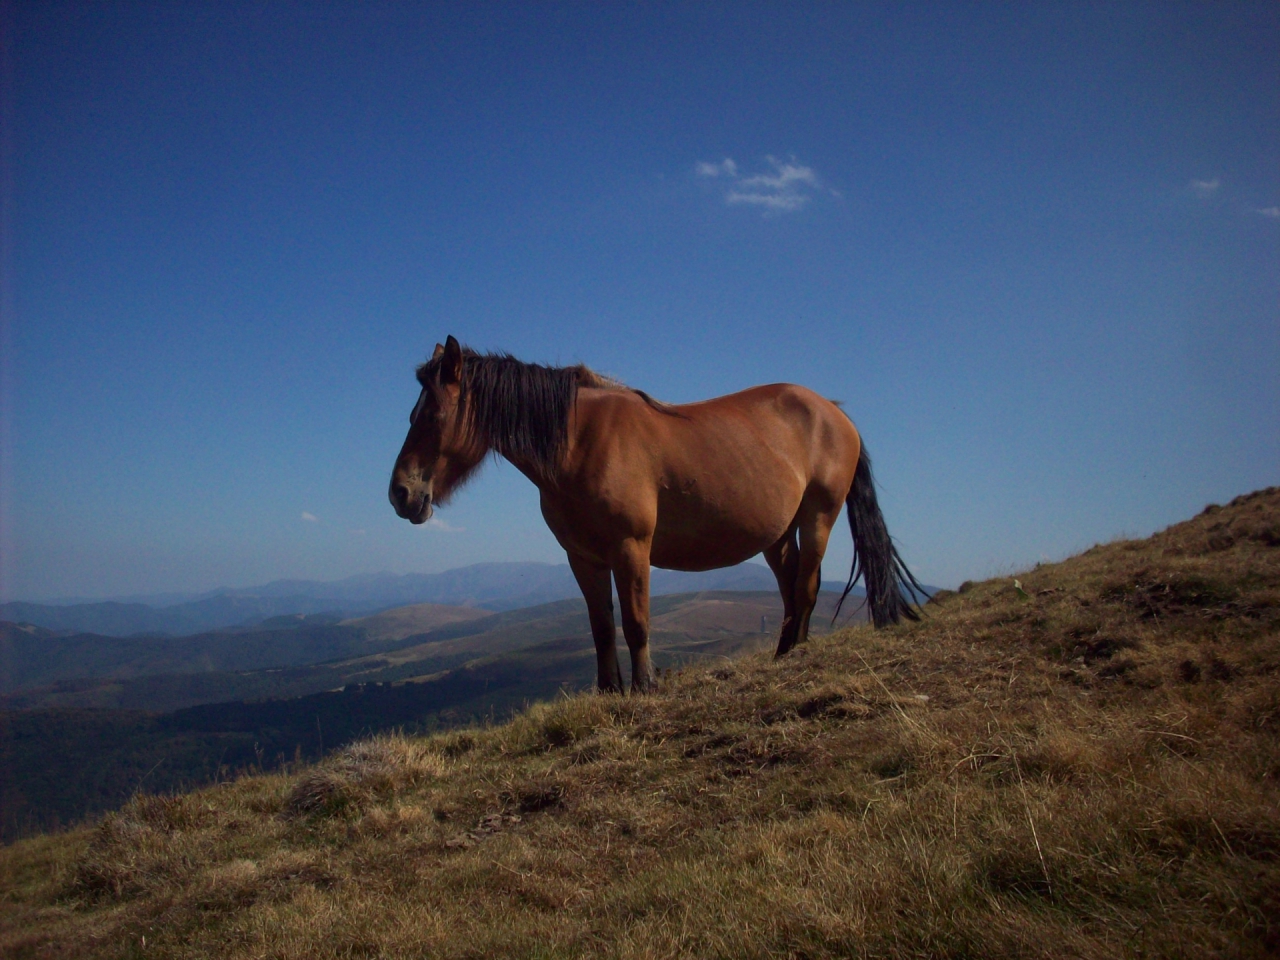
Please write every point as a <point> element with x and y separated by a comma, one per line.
<point>770,201</point>
<point>310,517</point>
<point>1205,188</point>
<point>725,166</point>
<point>438,524</point>
<point>789,174</point>
<point>1272,212</point>
<point>788,186</point>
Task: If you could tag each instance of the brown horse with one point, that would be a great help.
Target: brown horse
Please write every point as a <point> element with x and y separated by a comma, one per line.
<point>626,482</point>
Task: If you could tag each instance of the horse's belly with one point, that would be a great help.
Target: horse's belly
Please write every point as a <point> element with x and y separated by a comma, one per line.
<point>676,556</point>
<point>696,536</point>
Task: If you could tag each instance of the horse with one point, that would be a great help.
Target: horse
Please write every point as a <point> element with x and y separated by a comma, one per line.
<point>627,482</point>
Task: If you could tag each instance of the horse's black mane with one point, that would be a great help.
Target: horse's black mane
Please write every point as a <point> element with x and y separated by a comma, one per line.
<point>521,410</point>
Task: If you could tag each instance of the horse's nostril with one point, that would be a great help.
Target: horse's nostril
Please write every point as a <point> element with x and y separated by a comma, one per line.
<point>399,495</point>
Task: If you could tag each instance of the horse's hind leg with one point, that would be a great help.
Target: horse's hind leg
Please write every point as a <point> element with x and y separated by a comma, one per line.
<point>783,559</point>
<point>813,529</point>
<point>631,573</point>
<point>598,592</point>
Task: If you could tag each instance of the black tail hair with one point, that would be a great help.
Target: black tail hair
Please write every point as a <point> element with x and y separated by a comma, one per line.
<point>875,558</point>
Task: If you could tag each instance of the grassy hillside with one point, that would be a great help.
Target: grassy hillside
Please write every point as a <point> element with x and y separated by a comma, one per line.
<point>1083,762</point>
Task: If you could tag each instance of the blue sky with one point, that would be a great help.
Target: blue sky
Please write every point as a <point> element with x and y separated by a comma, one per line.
<point>1034,248</point>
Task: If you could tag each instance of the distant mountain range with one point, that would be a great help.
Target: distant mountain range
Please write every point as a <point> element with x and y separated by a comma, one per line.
<point>490,586</point>
<point>113,619</point>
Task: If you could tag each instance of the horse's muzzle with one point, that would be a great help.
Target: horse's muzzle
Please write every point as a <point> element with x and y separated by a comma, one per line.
<point>414,509</point>
<point>425,510</point>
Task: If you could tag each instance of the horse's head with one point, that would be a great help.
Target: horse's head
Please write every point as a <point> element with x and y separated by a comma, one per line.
<point>441,449</point>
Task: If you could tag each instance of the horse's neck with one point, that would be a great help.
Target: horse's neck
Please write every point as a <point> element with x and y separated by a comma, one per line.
<point>536,475</point>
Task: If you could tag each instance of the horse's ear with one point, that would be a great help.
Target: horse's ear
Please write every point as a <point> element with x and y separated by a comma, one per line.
<point>451,365</point>
<point>439,350</point>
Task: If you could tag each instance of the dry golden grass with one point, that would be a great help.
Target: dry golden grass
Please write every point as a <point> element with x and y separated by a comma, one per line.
<point>1085,766</point>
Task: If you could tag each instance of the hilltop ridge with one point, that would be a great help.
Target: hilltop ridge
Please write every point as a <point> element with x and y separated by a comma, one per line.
<point>1081,759</point>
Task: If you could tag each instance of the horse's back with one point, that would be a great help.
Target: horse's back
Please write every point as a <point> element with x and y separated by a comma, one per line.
<point>764,426</point>
<point>719,480</point>
<point>788,420</point>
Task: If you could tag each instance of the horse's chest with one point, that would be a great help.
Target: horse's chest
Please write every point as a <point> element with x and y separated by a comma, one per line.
<point>580,526</point>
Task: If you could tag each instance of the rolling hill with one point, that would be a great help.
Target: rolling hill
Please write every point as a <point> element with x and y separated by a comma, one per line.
<point>1081,761</point>
<point>400,622</point>
<point>299,655</point>
<point>488,586</point>
<point>32,657</point>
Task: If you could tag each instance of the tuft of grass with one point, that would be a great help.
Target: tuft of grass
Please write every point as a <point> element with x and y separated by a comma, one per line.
<point>1088,767</point>
<point>364,773</point>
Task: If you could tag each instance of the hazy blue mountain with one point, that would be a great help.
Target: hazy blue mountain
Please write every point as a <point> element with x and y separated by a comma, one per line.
<point>490,586</point>
<point>167,599</point>
<point>494,586</point>
<point>113,619</point>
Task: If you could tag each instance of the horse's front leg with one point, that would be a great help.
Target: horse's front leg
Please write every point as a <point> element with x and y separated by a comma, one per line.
<point>631,573</point>
<point>593,581</point>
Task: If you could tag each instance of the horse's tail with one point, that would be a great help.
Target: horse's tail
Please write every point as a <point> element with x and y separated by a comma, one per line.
<point>875,558</point>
